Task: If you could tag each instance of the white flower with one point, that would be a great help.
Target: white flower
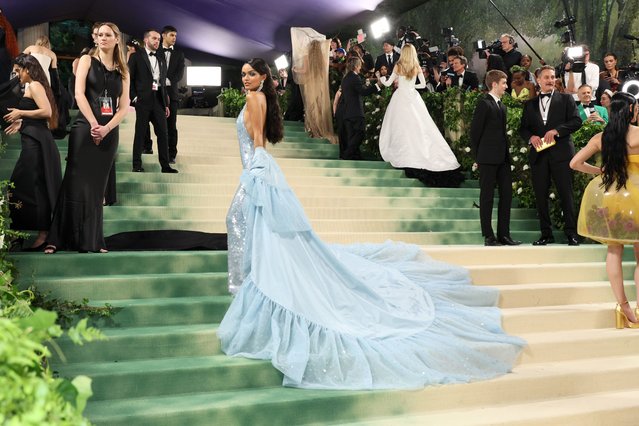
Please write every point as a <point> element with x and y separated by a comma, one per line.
<point>526,167</point>
<point>514,185</point>
<point>552,195</point>
<point>512,167</point>
<point>515,158</point>
<point>520,190</point>
<point>367,103</point>
<point>523,150</point>
<point>379,127</point>
<point>509,133</point>
<point>467,149</point>
<point>474,168</point>
<point>376,110</point>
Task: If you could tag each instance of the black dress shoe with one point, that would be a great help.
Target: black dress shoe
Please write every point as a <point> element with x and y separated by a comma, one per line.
<point>573,240</point>
<point>543,241</point>
<point>491,241</point>
<point>147,151</point>
<point>169,170</point>
<point>507,241</point>
<point>138,169</point>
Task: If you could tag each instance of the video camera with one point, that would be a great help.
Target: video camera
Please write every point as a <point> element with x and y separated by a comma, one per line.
<point>575,56</point>
<point>481,46</point>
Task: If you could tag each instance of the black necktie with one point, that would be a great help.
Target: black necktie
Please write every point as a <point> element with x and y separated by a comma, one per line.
<point>390,61</point>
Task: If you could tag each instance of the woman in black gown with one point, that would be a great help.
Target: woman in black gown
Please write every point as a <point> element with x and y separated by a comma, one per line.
<point>102,94</point>
<point>37,174</point>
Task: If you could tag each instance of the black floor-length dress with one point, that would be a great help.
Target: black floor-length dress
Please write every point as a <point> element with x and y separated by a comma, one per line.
<point>77,219</point>
<point>36,176</point>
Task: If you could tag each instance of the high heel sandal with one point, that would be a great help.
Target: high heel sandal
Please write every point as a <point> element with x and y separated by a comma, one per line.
<point>621,320</point>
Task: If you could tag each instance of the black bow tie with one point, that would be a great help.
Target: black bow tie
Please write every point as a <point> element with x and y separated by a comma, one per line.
<point>169,48</point>
<point>545,95</point>
<point>588,105</point>
<point>151,53</point>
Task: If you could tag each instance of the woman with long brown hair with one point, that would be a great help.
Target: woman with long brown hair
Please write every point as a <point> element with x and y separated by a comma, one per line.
<point>37,174</point>
<point>102,94</point>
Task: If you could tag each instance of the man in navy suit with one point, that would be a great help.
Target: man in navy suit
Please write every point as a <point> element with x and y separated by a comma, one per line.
<point>388,59</point>
<point>174,73</point>
<point>489,145</point>
<point>147,70</point>
<point>546,124</point>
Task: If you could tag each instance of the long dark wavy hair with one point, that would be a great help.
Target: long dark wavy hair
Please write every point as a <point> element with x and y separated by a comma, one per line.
<point>33,67</point>
<point>273,126</point>
<point>614,153</point>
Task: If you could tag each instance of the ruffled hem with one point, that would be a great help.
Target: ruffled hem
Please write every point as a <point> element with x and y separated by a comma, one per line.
<point>456,348</point>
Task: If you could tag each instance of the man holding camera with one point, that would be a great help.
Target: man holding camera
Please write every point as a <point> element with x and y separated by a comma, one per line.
<point>458,76</point>
<point>509,52</point>
<point>589,76</point>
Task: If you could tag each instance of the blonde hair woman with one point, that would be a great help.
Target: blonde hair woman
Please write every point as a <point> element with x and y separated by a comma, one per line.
<point>409,138</point>
<point>102,94</point>
<point>41,50</point>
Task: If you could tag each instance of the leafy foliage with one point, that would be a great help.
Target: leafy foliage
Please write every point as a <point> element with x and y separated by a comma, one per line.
<point>29,391</point>
<point>233,101</point>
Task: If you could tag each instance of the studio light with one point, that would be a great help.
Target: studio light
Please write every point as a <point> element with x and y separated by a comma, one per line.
<point>380,27</point>
<point>281,62</point>
<point>575,52</point>
<point>203,76</point>
<point>631,87</point>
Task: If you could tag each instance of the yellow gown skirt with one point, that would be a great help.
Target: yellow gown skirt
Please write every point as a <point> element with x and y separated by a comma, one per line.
<point>612,217</point>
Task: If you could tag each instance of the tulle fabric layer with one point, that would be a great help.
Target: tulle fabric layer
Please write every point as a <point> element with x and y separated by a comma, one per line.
<point>363,316</point>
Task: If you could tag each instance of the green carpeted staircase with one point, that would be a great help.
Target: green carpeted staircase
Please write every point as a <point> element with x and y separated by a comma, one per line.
<point>162,364</point>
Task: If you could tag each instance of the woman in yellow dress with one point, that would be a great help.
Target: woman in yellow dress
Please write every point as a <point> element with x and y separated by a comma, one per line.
<point>610,205</point>
<point>522,88</point>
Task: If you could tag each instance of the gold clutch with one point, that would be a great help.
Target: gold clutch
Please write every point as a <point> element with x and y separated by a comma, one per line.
<point>545,145</point>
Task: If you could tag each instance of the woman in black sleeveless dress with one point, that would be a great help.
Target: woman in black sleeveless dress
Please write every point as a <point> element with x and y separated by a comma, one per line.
<point>102,94</point>
<point>37,174</point>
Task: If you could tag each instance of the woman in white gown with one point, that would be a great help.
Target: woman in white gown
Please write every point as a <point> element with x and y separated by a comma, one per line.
<point>409,138</point>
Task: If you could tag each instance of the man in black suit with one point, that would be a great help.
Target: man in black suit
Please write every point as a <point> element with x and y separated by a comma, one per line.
<point>489,145</point>
<point>352,90</point>
<point>388,59</point>
<point>546,124</point>
<point>148,93</point>
<point>174,73</point>
<point>459,77</point>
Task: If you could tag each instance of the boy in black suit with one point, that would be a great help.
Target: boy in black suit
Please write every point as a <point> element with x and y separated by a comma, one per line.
<point>174,72</point>
<point>489,145</point>
<point>546,124</point>
<point>389,58</point>
<point>352,110</point>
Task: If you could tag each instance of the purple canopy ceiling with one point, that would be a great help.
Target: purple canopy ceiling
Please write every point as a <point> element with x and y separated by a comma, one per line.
<point>236,29</point>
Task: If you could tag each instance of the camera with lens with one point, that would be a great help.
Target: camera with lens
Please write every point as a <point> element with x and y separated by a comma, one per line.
<point>575,56</point>
<point>569,20</point>
<point>481,46</point>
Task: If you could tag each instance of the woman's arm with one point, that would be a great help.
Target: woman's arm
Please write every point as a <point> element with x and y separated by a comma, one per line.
<point>37,93</point>
<point>387,81</point>
<point>338,94</point>
<point>80,86</point>
<point>422,81</point>
<point>256,109</point>
<point>578,162</point>
<point>100,132</point>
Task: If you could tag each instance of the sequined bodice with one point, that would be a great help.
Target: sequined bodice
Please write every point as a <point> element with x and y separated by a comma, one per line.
<point>246,143</point>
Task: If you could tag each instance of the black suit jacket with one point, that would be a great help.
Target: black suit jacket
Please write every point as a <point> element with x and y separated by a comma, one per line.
<point>470,82</point>
<point>562,117</point>
<point>141,77</point>
<point>352,91</point>
<point>488,139</point>
<point>174,71</point>
<point>383,60</point>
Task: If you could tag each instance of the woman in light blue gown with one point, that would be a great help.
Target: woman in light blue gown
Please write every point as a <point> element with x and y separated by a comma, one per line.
<point>361,316</point>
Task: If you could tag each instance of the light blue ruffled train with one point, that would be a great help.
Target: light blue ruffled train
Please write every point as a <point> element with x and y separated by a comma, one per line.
<point>362,316</point>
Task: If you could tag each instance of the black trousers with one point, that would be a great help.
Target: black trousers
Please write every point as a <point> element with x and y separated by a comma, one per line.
<point>157,116</point>
<point>171,123</point>
<point>561,174</point>
<point>353,129</point>
<point>491,175</point>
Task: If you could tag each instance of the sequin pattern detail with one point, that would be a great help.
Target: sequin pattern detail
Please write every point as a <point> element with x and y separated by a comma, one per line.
<point>235,220</point>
